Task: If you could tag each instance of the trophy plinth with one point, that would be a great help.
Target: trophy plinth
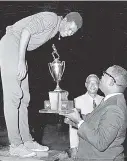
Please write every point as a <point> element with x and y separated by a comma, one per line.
<point>58,103</point>
<point>56,98</point>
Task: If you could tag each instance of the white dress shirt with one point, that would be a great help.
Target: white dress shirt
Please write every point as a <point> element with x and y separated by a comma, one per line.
<point>85,102</point>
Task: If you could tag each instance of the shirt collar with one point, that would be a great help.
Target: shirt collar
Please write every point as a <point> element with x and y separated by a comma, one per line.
<point>110,95</point>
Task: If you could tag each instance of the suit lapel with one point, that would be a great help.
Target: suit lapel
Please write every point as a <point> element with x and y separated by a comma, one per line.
<point>100,106</point>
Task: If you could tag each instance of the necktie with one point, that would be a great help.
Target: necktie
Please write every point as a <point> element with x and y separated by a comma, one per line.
<point>94,104</point>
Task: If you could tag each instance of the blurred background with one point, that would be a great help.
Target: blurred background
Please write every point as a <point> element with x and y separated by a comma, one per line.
<point>101,42</point>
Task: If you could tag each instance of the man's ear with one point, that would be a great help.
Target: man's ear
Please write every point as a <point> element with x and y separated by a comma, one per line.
<point>86,85</point>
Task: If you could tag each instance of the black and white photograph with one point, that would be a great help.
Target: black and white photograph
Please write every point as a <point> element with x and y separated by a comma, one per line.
<point>63,79</point>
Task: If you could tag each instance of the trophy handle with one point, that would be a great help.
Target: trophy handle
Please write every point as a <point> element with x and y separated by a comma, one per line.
<point>49,64</point>
<point>63,64</point>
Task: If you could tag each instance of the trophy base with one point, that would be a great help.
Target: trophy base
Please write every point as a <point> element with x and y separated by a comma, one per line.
<point>56,98</point>
<point>66,108</point>
<point>58,103</point>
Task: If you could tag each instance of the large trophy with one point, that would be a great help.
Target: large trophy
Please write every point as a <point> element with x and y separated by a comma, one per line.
<point>58,99</point>
<point>56,69</point>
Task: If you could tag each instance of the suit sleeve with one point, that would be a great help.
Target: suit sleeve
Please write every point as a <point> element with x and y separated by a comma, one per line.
<point>109,125</point>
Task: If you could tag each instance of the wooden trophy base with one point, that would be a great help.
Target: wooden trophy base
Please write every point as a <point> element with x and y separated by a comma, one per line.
<point>58,103</point>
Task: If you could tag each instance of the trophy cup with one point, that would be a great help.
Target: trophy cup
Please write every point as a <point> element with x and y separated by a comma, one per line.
<point>56,68</point>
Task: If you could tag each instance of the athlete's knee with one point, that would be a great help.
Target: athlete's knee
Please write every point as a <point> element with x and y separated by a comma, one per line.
<point>13,98</point>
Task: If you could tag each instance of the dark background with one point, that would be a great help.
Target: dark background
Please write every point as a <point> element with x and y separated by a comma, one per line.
<point>101,42</point>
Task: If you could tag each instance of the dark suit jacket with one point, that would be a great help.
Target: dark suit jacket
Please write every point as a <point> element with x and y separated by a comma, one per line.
<point>103,132</point>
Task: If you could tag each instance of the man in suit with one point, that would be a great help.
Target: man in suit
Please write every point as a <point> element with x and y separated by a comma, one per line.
<point>103,131</point>
<point>85,104</point>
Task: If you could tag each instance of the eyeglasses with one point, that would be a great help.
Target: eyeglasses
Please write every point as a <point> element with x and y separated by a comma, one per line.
<point>104,72</point>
